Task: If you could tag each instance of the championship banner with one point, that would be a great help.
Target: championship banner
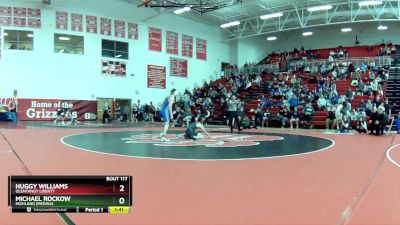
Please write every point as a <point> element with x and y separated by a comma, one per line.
<point>172,43</point>
<point>62,20</point>
<point>201,49</point>
<point>6,21</point>
<point>19,22</point>
<point>178,67</point>
<point>34,23</point>
<point>5,11</point>
<point>113,68</point>
<point>46,109</point>
<point>155,39</point>
<point>77,22</point>
<point>133,32</point>
<point>91,24</point>
<point>119,28</point>
<point>105,26</point>
<point>187,46</point>
<point>34,13</point>
<point>18,11</point>
<point>156,76</point>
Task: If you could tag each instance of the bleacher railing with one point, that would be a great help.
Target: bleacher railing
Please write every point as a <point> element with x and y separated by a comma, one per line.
<point>379,61</point>
<point>274,68</point>
<point>257,69</point>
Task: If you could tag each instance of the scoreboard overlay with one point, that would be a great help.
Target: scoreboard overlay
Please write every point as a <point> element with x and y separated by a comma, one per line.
<point>70,194</point>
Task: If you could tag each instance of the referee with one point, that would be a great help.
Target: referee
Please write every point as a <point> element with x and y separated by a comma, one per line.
<point>232,112</point>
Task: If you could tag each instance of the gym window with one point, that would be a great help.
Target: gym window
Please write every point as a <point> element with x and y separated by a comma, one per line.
<point>71,44</point>
<point>114,49</point>
<point>18,40</point>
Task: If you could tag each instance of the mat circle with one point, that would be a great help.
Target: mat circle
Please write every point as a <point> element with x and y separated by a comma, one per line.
<point>247,146</point>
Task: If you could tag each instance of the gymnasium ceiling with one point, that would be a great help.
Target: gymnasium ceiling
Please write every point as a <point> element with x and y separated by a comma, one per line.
<point>295,14</point>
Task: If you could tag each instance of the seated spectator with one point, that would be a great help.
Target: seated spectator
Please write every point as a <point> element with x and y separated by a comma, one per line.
<point>322,102</point>
<point>266,118</point>
<point>354,116</point>
<point>345,127</point>
<point>350,94</point>
<point>285,113</point>
<point>253,122</point>
<point>361,126</point>
<point>187,116</point>
<point>295,117</point>
<point>330,117</point>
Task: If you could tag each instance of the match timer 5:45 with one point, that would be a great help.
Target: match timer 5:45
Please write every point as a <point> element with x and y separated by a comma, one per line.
<point>75,194</point>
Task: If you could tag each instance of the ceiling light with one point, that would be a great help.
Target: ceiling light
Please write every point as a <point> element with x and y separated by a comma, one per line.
<point>367,3</point>
<point>61,51</point>
<point>64,38</point>
<point>319,8</point>
<point>271,38</point>
<point>182,10</point>
<point>118,56</point>
<point>230,24</point>
<point>29,35</point>
<point>269,16</point>
<point>382,27</point>
<point>5,34</point>
<point>307,33</point>
<point>346,29</point>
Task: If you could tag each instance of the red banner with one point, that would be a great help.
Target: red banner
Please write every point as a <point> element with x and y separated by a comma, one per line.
<point>133,32</point>
<point>187,46</point>
<point>34,23</point>
<point>105,26</point>
<point>5,11</point>
<point>178,67</point>
<point>91,24</point>
<point>172,43</point>
<point>77,22</point>
<point>62,20</point>
<point>201,49</point>
<point>119,28</point>
<point>156,76</point>
<point>155,39</point>
<point>113,68</point>
<point>46,109</point>
<point>19,21</point>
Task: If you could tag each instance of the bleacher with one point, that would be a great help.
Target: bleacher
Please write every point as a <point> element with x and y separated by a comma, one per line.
<point>251,96</point>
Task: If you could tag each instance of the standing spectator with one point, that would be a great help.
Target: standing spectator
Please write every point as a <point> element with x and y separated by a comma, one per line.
<point>295,117</point>
<point>398,123</point>
<point>135,112</point>
<point>377,122</point>
<point>293,102</point>
<point>106,112</point>
<point>232,113</point>
<point>307,115</point>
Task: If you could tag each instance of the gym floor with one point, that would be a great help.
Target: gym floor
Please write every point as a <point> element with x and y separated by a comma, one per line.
<point>263,176</point>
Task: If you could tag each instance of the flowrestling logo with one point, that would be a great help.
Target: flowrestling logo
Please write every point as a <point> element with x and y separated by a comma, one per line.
<point>217,140</point>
